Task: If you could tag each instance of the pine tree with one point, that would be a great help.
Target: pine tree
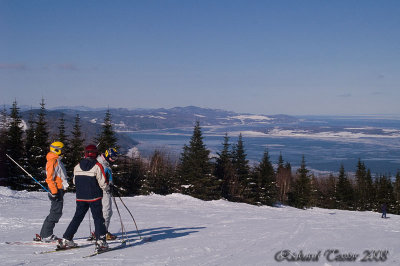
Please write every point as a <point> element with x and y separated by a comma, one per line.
<point>266,179</point>
<point>242,168</point>
<point>107,138</point>
<point>75,150</point>
<point>384,194</point>
<point>15,148</point>
<point>3,148</point>
<point>225,172</point>
<point>364,189</point>
<point>396,190</point>
<point>301,189</point>
<point>61,136</point>
<point>130,177</point>
<point>344,191</point>
<point>195,171</point>
<point>29,144</point>
<point>330,195</point>
<point>41,146</point>
<point>317,195</point>
<point>371,192</point>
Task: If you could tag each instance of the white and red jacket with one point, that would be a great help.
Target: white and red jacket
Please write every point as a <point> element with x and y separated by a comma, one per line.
<point>90,180</point>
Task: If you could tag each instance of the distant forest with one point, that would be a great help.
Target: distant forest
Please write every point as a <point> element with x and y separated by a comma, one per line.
<point>226,176</point>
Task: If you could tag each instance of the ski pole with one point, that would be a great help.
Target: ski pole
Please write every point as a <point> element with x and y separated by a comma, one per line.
<point>122,225</point>
<point>27,173</point>
<point>137,230</point>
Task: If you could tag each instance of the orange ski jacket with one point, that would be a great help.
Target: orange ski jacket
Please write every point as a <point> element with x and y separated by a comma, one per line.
<point>55,173</point>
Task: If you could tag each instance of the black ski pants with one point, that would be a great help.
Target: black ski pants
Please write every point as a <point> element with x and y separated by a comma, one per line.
<point>54,216</point>
<point>81,209</point>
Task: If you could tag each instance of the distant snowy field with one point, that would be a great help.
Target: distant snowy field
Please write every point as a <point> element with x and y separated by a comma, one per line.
<point>187,231</point>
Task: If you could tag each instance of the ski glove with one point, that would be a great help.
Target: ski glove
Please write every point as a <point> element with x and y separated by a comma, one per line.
<point>112,189</point>
<point>58,196</point>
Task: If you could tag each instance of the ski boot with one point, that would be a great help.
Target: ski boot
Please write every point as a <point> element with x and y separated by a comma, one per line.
<point>101,244</point>
<point>66,244</point>
<point>37,238</point>
<point>91,237</point>
<point>48,239</point>
<point>110,236</point>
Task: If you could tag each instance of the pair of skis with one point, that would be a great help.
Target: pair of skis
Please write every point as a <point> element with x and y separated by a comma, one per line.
<point>120,246</point>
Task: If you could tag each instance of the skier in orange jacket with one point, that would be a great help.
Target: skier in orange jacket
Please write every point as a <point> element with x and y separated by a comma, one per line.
<point>57,182</point>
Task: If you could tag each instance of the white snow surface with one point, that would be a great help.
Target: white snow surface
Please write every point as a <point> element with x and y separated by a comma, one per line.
<point>188,231</point>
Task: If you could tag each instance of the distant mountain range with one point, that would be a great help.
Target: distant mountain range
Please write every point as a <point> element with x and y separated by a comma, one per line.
<point>125,120</point>
<point>142,119</point>
<point>130,120</point>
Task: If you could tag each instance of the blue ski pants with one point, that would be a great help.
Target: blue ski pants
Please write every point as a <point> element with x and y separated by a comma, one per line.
<point>81,209</point>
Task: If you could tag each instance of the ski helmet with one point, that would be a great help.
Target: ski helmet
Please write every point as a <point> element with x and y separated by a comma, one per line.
<point>56,147</point>
<point>111,154</point>
<point>91,151</point>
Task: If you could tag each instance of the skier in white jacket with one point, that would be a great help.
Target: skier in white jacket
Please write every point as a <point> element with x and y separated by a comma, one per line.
<point>109,156</point>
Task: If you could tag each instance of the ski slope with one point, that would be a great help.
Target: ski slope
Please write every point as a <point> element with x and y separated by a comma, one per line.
<point>188,231</point>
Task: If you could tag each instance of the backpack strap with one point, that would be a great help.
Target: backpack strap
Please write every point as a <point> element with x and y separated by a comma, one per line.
<point>102,170</point>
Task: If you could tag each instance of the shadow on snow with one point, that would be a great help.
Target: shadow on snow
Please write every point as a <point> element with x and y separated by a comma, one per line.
<point>157,234</point>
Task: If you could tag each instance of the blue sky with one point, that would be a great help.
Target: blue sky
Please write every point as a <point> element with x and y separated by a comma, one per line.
<point>264,57</point>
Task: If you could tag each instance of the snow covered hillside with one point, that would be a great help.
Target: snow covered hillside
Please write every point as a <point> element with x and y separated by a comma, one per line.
<point>187,231</point>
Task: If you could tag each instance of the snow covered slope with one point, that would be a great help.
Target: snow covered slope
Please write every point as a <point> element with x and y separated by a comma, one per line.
<point>187,231</point>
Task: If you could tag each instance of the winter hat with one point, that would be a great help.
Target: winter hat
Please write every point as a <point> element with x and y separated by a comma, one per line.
<point>91,151</point>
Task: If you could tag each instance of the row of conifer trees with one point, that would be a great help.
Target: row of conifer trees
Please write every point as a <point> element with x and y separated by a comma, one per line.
<point>227,175</point>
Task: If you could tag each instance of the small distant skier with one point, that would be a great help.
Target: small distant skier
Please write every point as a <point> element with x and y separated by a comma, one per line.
<point>90,181</point>
<point>106,158</point>
<point>56,179</point>
<point>384,209</point>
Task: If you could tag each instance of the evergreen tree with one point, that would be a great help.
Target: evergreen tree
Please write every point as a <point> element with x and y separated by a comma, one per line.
<point>344,191</point>
<point>107,137</point>
<point>384,194</point>
<point>317,191</point>
<point>251,192</point>
<point>61,136</point>
<point>266,179</point>
<point>242,168</point>
<point>29,145</point>
<point>371,192</point>
<point>15,148</point>
<point>75,150</point>
<point>40,148</point>
<point>3,148</point>
<point>364,188</point>
<point>331,192</point>
<point>130,177</point>
<point>396,190</point>
<point>195,171</point>
<point>301,189</point>
<point>225,172</point>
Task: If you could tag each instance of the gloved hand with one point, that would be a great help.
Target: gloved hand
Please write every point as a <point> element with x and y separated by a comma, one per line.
<point>57,196</point>
<point>111,189</point>
<point>53,196</point>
